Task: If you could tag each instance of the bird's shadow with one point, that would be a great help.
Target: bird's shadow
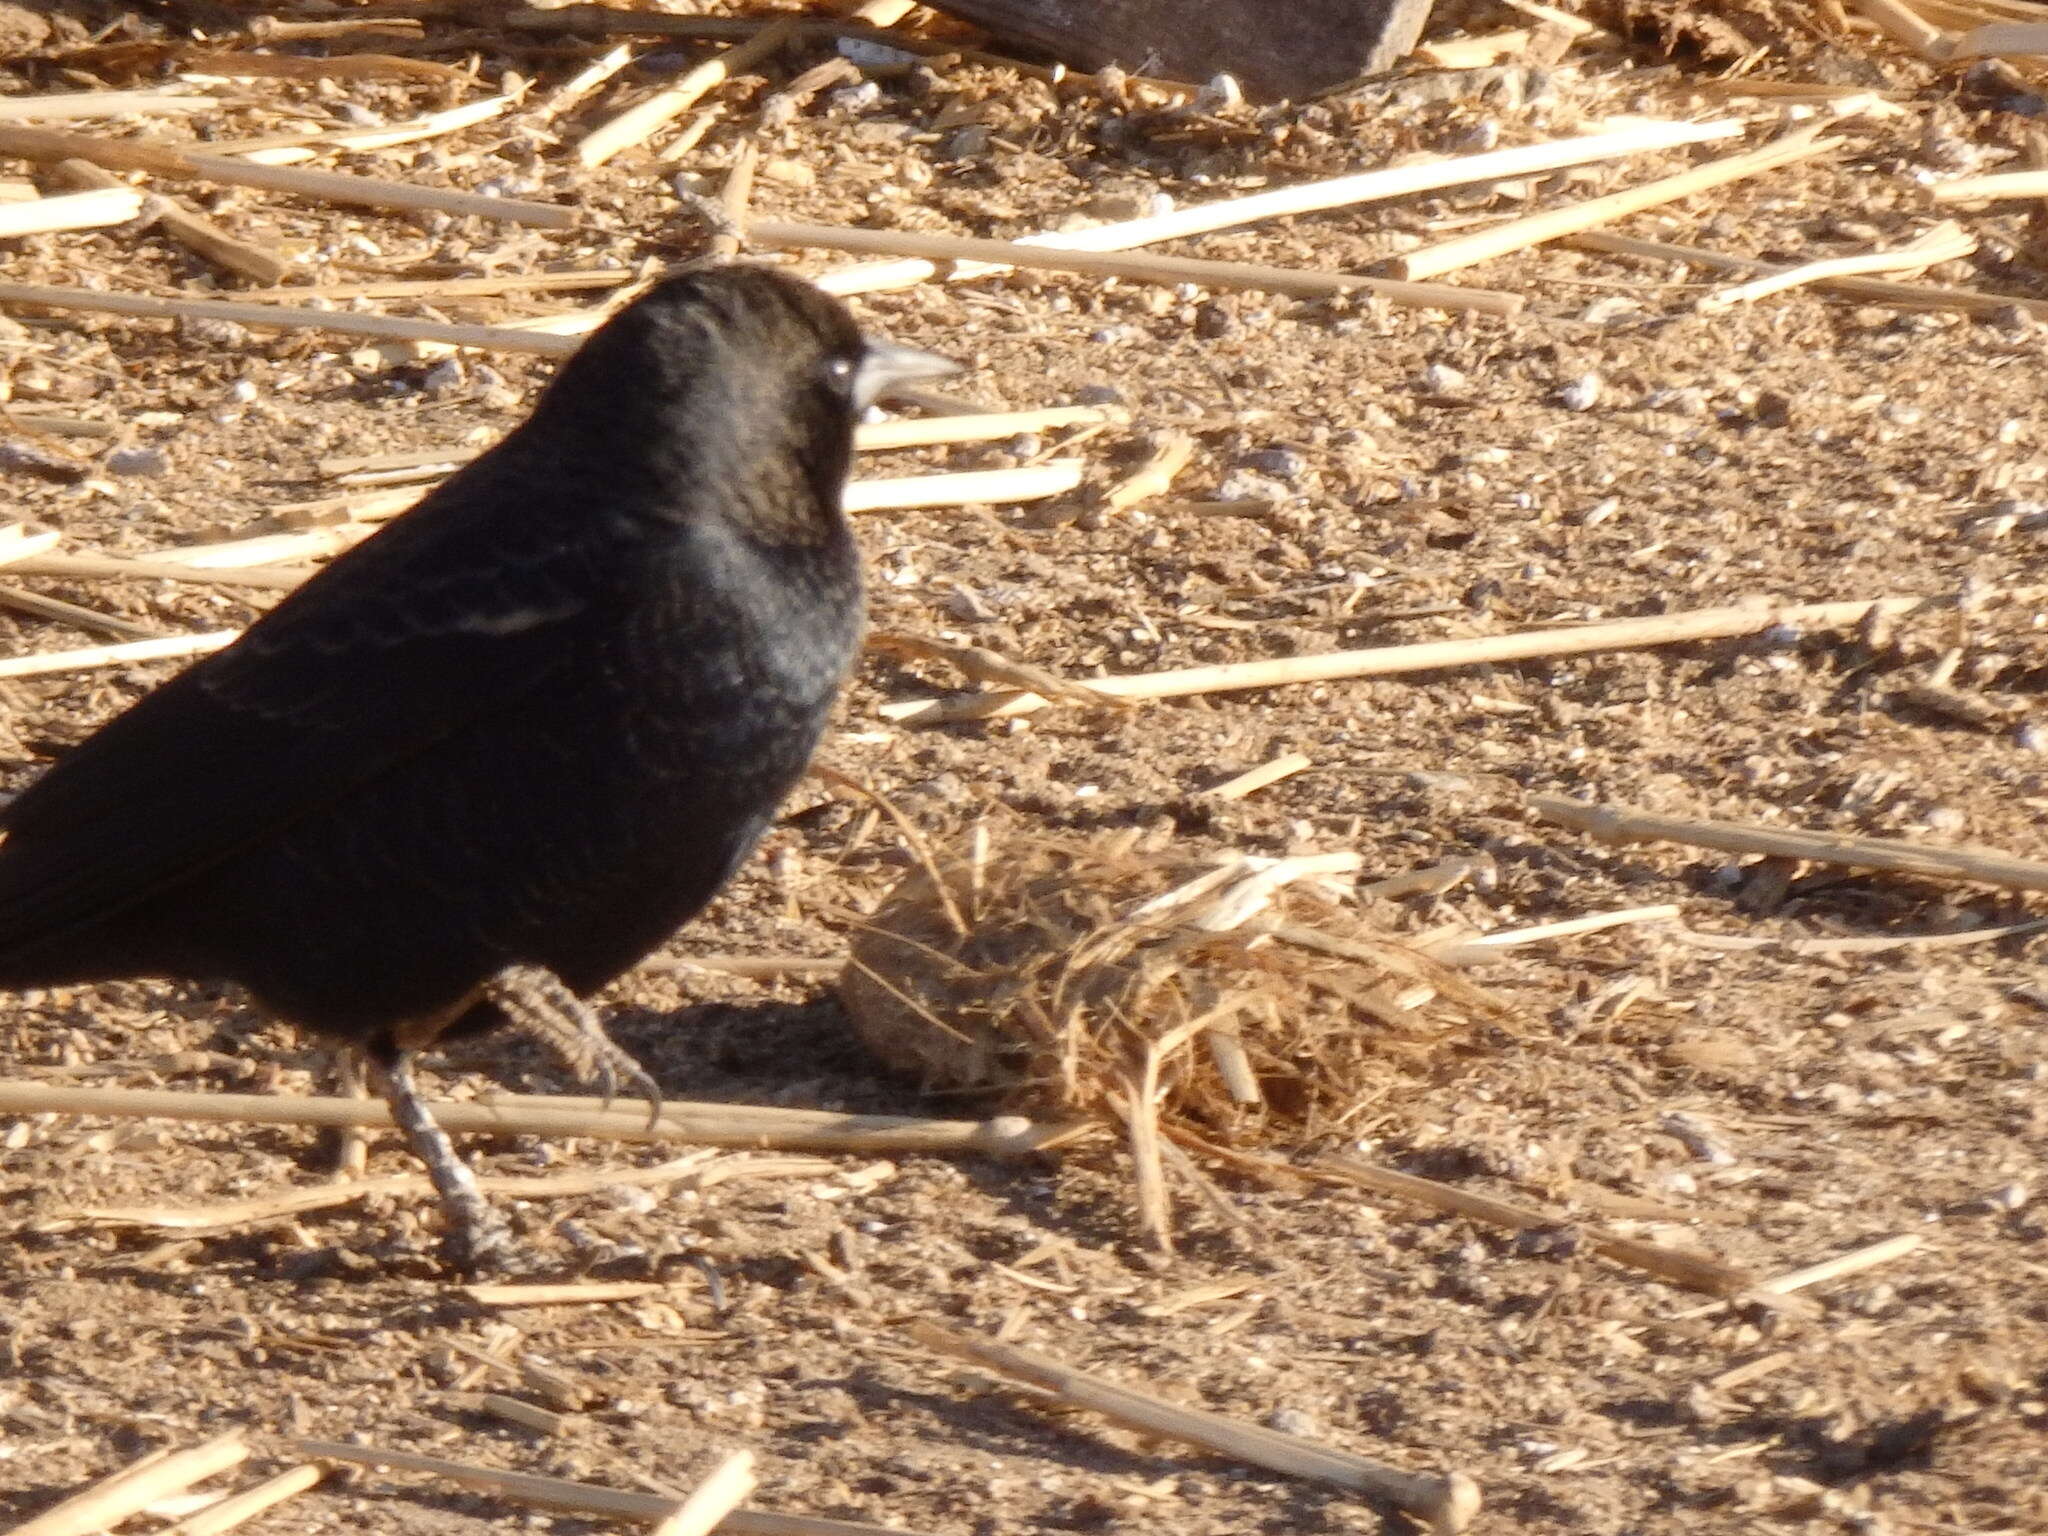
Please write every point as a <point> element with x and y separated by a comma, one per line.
<point>784,1053</point>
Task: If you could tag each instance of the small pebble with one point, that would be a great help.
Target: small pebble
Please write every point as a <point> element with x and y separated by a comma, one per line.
<point>208,331</point>
<point>1213,322</point>
<point>139,461</point>
<point>1284,462</point>
<point>1582,394</point>
<point>788,173</point>
<point>1244,485</point>
<point>1221,94</point>
<point>447,377</point>
<point>970,143</point>
<point>1442,379</point>
<point>855,98</point>
<point>1292,1421</point>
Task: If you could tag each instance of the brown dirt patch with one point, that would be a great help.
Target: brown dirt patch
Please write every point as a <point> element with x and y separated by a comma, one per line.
<point>1410,477</point>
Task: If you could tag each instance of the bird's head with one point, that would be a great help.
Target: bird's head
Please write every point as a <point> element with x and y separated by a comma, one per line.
<point>741,382</point>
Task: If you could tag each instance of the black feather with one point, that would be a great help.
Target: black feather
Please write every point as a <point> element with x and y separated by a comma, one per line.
<point>538,720</point>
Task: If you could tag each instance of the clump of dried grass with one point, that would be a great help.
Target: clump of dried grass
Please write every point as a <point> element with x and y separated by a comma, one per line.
<point>1197,1004</point>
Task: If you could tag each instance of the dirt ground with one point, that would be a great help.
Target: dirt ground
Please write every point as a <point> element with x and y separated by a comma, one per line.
<point>1398,475</point>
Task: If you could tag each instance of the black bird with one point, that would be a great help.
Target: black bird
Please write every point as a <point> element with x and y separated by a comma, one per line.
<point>489,759</point>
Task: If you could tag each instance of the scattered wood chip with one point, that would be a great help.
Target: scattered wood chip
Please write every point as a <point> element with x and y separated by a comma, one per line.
<point>1554,223</point>
<point>729,1125</point>
<point>986,666</point>
<point>113,1499</point>
<point>1170,454</point>
<point>1386,661</point>
<point>576,1498</point>
<point>1445,1504</point>
<point>1622,824</point>
<point>240,1508</point>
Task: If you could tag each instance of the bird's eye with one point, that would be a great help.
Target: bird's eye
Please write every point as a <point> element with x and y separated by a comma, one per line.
<point>839,374</point>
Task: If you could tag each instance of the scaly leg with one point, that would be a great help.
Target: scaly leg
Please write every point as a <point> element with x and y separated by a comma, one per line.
<point>537,1004</point>
<point>476,1237</point>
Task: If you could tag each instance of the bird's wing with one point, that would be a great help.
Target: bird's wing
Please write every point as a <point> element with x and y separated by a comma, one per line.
<point>455,612</point>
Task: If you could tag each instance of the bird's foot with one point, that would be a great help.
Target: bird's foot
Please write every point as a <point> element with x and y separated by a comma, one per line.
<point>475,1238</point>
<point>537,1004</point>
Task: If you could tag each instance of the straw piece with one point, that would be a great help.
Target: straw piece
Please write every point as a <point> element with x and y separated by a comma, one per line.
<point>335,66</point>
<point>123,654</point>
<point>1155,476</point>
<point>74,614</point>
<point>869,437</point>
<point>1694,1271</point>
<point>1614,823</point>
<point>1873,290</point>
<point>69,210</point>
<point>297,1202</point>
<point>1476,52</point>
<point>1446,1504</point>
<point>981,427</point>
<point>878,13</point>
<point>1905,26</point>
<point>733,199</point>
<point>1853,1262</point>
<point>1948,241</point>
<point>986,666</point>
<point>1299,283</point>
<point>577,1498</point>
<point>320,186</point>
<point>645,118</point>
<point>1032,482</point>
<point>20,545</point>
<point>583,82</point>
<point>1552,223</point>
<point>1575,26</point>
<point>284,318</point>
<point>1999,186</point>
<point>713,1499</point>
<point>719,1125</point>
<point>1254,779</point>
<point>116,568</point>
<point>69,105</point>
<point>1309,197</point>
<point>2010,40</point>
<point>1751,1371</point>
<point>573,1293</point>
<point>1429,656</point>
<point>240,1508</point>
<point>56,425</point>
<point>290,148</point>
<point>454,287</point>
<point>183,225</point>
<point>110,1501</point>
<point>1486,946</point>
<point>516,1410</point>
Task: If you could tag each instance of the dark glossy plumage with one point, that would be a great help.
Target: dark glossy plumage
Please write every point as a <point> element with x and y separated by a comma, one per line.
<point>536,721</point>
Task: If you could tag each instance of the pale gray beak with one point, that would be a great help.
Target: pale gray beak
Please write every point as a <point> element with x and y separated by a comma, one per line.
<point>885,367</point>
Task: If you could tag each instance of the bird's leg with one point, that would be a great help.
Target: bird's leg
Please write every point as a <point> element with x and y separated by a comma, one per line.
<point>350,1146</point>
<point>476,1236</point>
<point>537,1004</point>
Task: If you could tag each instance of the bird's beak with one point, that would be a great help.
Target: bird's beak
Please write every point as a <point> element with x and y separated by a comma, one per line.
<point>887,367</point>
